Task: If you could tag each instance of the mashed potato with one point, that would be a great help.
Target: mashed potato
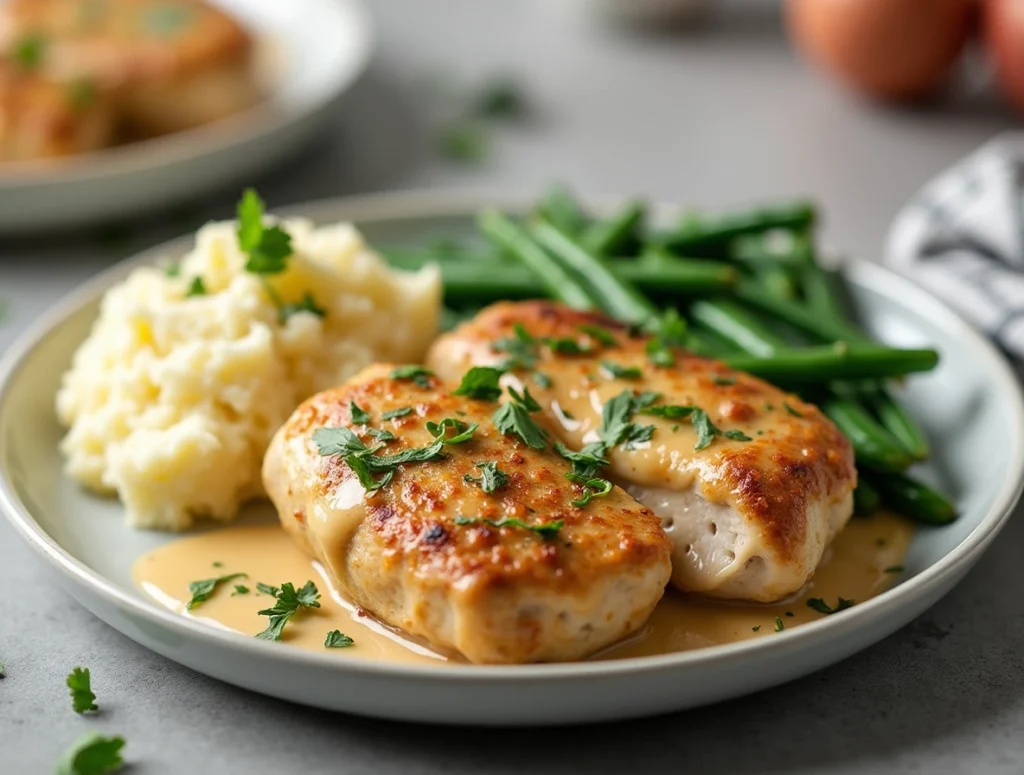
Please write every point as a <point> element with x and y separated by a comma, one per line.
<point>172,399</point>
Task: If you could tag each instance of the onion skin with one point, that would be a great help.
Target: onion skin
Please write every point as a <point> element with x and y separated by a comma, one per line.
<point>886,49</point>
<point>1004,34</point>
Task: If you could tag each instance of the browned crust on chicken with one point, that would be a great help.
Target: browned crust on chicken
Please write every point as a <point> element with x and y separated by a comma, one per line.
<point>770,479</point>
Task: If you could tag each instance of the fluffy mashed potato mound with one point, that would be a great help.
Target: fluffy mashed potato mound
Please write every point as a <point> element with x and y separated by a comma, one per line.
<point>172,400</point>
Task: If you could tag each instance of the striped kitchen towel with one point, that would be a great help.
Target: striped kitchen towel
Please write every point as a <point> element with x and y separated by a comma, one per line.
<point>962,237</point>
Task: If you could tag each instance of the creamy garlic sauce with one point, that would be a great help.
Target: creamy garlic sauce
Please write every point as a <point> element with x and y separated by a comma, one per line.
<point>854,567</point>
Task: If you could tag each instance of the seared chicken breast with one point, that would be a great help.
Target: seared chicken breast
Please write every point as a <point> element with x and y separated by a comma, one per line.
<point>173,64</point>
<point>479,550</point>
<point>750,482</point>
<point>40,119</point>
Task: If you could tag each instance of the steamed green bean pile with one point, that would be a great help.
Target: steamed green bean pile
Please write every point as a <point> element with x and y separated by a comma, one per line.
<point>751,292</point>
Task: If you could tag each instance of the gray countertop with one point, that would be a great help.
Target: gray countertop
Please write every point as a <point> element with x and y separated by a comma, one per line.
<point>709,118</point>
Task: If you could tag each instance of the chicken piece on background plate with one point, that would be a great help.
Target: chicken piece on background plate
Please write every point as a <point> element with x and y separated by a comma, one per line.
<point>750,482</point>
<point>474,544</point>
<point>40,119</point>
<point>173,64</point>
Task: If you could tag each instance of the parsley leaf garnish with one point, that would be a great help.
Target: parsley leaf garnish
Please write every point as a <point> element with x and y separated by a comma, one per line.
<point>480,382</point>
<point>418,374</point>
<point>339,441</point>
<point>513,417</point>
<point>203,590</point>
<point>542,379</point>
<point>667,330</point>
<point>563,345</point>
<point>267,247</point>
<point>196,287</point>
<point>463,432</point>
<point>289,602</point>
<point>357,414</point>
<point>669,411</point>
<point>588,461</point>
<point>706,429</point>
<point>659,354</point>
<point>336,640</point>
<point>240,589</point>
<point>617,371</point>
<point>91,754</point>
<point>394,414</point>
<point>380,434</point>
<point>822,607</point>
<point>521,349</point>
<point>545,530</point>
<point>529,403</point>
<point>736,435</point>
<point>600,334</point>
<point>791,410</point>
<point>779,624</point>
<point>592,488</point>
<point>28,52</point>
<point>616,414</point>
<point>491,477</point>
<point>307,304</point>
<point>266,589</point>
<point>80,684</point>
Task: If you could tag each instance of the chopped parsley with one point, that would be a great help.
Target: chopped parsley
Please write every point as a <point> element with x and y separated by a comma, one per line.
<point>491,477</point>
<point>380,434</point>
<point>91,754</point>
<point>203,590</point>
<point>512,417</point>
<point>563,345</point>
<point>29,51</point>
<point>463,431</point>
<point>336,640</point>
<point>544,530</point>
<point>357,415</point>
<point>289,602</point>
<point>266,589</point>
<point>394,414</point>
<point>723,381</point>
<point>791,410</point>
<point>702,424</point>
<point>667,330</point>
<point>528,402</point>
<point>240,589</point>
<point>658,354</point>
<point>588,461</point>
<point>616,415</point>
<point>756,628</point>
<point>419,375</point>
<point>267,247</point>
<point>779,624</point>
<point>592,488</point>
<point>80,684</point>
<point>600,334</point>
<point>306,304</point>
<point>196,288</point>
<point>481,383</point>
<point>541,379</point>
<point>894,569</point>
<point>521,348</point>
<point>617,371</point>
<point>822,607</point>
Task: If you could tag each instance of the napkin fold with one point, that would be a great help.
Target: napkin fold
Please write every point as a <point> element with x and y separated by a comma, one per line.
<point>962,237</point>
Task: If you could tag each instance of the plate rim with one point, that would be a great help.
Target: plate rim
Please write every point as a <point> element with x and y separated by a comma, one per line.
<point>426,203</point>
<point>248,126</point>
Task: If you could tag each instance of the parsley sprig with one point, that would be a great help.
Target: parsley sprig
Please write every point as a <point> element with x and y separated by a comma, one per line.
<point>289,601</point>
<point>91,754</point>
<point>491,477</point>
<point>80,684</point>
<point>544,530</point>
<point>337,640</point>
<point>513,417</point>
<point>203,590</point>
<point>481,383</point>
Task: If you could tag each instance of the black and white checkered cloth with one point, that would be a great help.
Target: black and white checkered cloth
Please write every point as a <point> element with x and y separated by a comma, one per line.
<point>962,237</point>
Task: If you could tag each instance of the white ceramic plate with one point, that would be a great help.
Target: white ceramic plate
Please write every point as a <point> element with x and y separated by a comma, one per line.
<point>971,406</point>
<point>314,50</point>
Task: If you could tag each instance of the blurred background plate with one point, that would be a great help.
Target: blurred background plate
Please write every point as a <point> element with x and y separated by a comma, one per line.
<point>311,52</point>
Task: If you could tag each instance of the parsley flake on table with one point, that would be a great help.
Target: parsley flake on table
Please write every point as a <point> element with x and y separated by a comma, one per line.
<point>419,375</point>
<point>357,414</point>
<point>80,684</point>
<point>289,602</point>
<point>267,247</point>
<point>658,354</point>
<point>203,590</point>
<point>822,607</point>
<point>491,477</point>
<point>481,383</point>
<point>91,754</point>
<point>544,530</point>
<point>337,640</point>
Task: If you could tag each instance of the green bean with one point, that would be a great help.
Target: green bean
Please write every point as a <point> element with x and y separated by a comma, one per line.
<point>798,314</point>
<point>914,499</point>
<point>896,420</point>
<point>836,362</point>
<point>509,237</point>
<point>777,281</point>
<point>702,232</point>
<point>736,325</point>
<point>786,248</point>
<point>866,500</point>
<point>559,207</point>
<point>615,235</point>
<point>414,258</point>
<point>708,344</point>
<point>874,447</point>
<point>615,295</point>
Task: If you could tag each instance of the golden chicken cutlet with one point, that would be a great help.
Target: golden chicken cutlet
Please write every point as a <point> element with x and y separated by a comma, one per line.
<point>430,513</point>
<point>751,483</point>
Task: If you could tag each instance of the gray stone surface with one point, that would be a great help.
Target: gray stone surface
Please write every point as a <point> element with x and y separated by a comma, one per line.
<point>713,118</point>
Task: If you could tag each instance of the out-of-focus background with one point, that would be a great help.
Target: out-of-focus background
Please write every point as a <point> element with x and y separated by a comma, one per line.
<point>855,103</point>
